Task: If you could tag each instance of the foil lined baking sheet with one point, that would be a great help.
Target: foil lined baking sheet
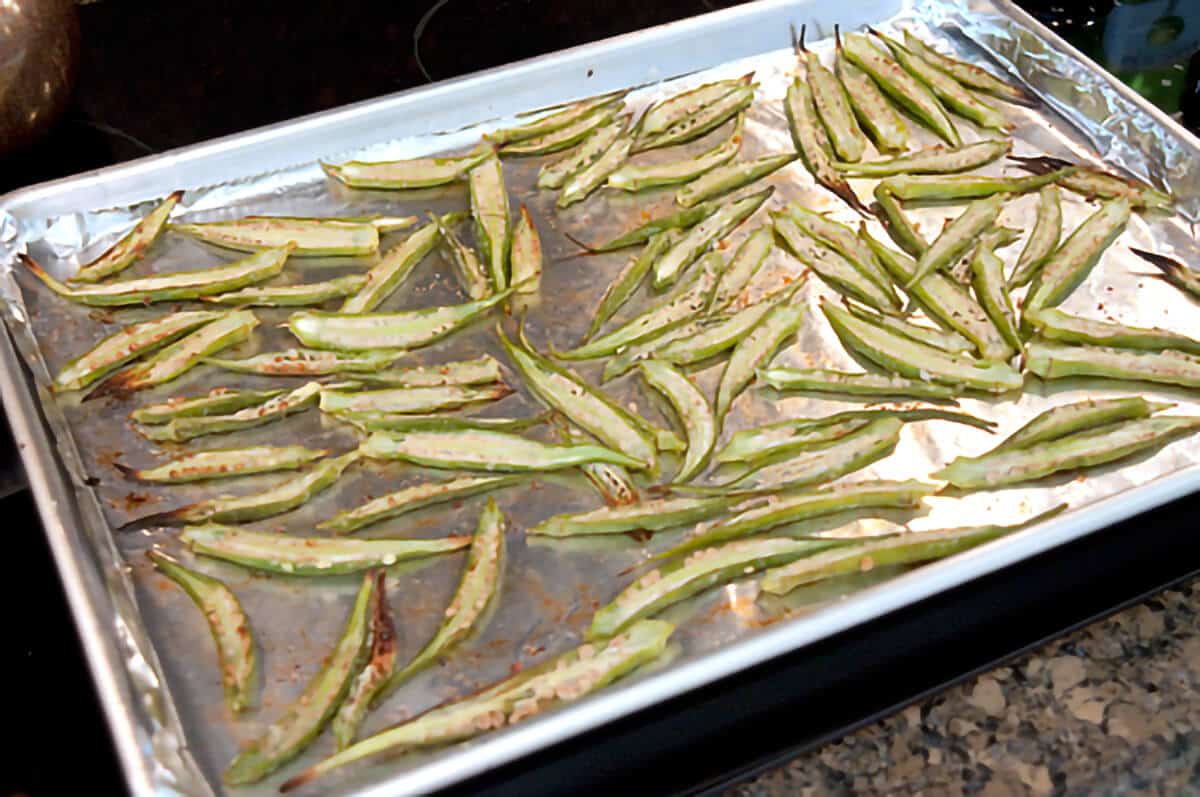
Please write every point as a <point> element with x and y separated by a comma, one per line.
<point>551,587</point>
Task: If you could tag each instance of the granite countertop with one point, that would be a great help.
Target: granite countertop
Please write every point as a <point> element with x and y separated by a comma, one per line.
<point>1108,709</point>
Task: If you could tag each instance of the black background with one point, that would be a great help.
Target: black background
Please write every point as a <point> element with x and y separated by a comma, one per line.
<point>155,76</point>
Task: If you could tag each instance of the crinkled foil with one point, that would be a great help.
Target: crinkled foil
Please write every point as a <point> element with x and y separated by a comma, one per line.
<point>550,588</point>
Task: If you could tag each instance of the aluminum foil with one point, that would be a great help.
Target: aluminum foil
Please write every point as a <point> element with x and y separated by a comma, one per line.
<point>551,587</point>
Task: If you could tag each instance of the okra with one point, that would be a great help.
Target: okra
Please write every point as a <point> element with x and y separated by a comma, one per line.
<point>583,405</point>
<point>411,329</point>
<point>489,207</point>
<point>946,341</point>
<point>899,228</point>
<point>915,360</point>
<point>654,514</point>
<point>1172,271</point>
<point>169,287</point>
<point>874,111</point>
<point>403,400</point>
<point>813,144</point>
<point>390,422</point>
<point>564,137</point>
<point>310,237</point>
<point>730,177</point>
<point>554,175</point>
<point>819,380</point>
<point>307,362</point>
<point>958,236</point>
<point>1043,239</point>
<point>910,548</point>
<point>476,590</point>
<point>1073,452</point>
<point>1096,184</point>
<point>304,719</point>
<point>479,371</point>
<point>226,463</point>
<point>256,506</point>
<point>1053,324</point>
<point>755,350</point>
<point>395,267</point>
<point>1079,416</point>
<point>908,92</point>
<point>410,499</point>
<point>407,174</point>
<point>480,449</point>
<point>583,182</point>
<point>833,108</point>
<point>553,121</point>
<point>471,276</point>
<point>181,428</point>
<point>630,356</point>
<point>629,280</point>
<point>720,336</point>
<point>612,482</point>
<point>804,505</point>
<point>305,294</point>
<point>567,677</point>
<point>526,254</point>
<point>710,117</point>
<point>1057,361</point>
<point>125,345</point>
<point>182,355</point>
<point>219,401</point>
<point>698,239</point>
<point>679,220</point>
<point>228,623</point>
<point>987,277</point>
<point>968,74</point>
<point>701,570</point>
<point>946,88</point>
<point>945,301</point>
<point>841,238</point>
<point>662,115</point>
<point>1074,260</point>
<point>693,409</point>
<point>309,556</point>
<point>745,263</point>
<point>380,661</point>
<point>932,160</point>
<point>839,272</point>
<point>639,177</point>
<point>952,187</point>
<point>687,303</point>
<point>827,461</point>
<point>132,245</point>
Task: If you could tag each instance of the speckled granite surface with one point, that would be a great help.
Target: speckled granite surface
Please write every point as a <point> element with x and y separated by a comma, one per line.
<point>1111,709</point>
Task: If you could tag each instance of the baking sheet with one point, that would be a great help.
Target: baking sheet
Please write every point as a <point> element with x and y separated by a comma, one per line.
<point>551,587</point>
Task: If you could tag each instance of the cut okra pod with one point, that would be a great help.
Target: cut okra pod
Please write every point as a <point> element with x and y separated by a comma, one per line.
<point>379,663</point>
<point>1080,416</point>
<point>707,118</point>
<point>813,144</point>
<point>309,556</point>
<point>526,256</point>
<point>745,263</point>
<point>127,344</point>
<point>476,590</point>
<point>403,400</point>
<point>309,237</point>
<point>820,380</point>
<point>958,236</point>
<point>612,482</point>
<point>307,362</point>
<point>480,449</point>
<point>693,409</point>
<point>933,160</point>
<point>987,277</point>
<point>1043,239</point>
<point>679,220</point>
<point>946,341</point>
<point>582,183</point>
<point>411,329</point>
<point>564,137</point>
<point>1074,260</point>
<point>910,548</point>
<point>1073,452</point>
<point>639,177</point>
<point>655,514</point>
<point>662,115</point>
<point>833,107</point>
<point>836,270</point>
<point>841,238</point>
<point>410,499</point>
<point>1053,324</point>
<point>305,294</point>
<point>704,569</point>
<point>905,90</point>
<point>182,355</point>
<point>551,122</point>
<point>875,112</point>
<point>471,276</point>
<point>304,719</point>
<point>489,208</point>
<point>563,678</point>
<point>228,623</point>
<point>132,245</point>
<point>954,187</point>
<point>630,356</point>
<point>256,506</point>
<point>226,463</point>
<point>407,174</point>
<point>554,175</point>
<point>899,228</point>
<point>730,177</point>
<point>391,422</point>
<point>968,74</point>
<point>479,371</point>
<point>180,428</point>
<point>1095,184</point>
<point>630,279</point>
<point>395,266</point>
<point>915,360</point>
<point>219,401</point>
<point>755,350</point>
<point>673,263</point>
<point>1058,361</point>
<point>169,287</point>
